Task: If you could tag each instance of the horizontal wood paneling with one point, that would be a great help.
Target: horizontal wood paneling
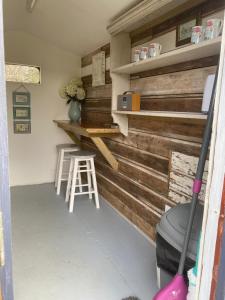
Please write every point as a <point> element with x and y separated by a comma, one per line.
<point>137,212</point>
<point>87,80</point>
<point>149,32</point>
<point>156,144</point>
<point>182,103</point>
<point>189,65</point>
<point>145,195</point>
<point>139,189</point>
<point>185,82</point>
<point>182,173</point>
<point>95,119</point>
<point>87,59</point>
<point>184,129</point>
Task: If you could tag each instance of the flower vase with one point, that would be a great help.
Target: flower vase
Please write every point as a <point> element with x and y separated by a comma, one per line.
<point>74,111</point>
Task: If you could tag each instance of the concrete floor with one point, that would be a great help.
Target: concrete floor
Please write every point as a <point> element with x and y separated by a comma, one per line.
<point>88,255</point>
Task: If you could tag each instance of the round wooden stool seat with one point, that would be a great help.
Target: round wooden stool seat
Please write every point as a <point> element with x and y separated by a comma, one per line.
<point>83,154</point>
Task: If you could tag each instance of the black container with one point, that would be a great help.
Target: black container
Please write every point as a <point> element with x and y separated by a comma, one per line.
<point>170,237</point>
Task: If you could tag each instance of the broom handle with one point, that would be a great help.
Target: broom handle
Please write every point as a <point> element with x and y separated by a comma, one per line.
<point>198,177</point>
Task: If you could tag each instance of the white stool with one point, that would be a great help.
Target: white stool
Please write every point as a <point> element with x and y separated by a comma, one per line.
<point>63,160</point>
<point>76,168</point>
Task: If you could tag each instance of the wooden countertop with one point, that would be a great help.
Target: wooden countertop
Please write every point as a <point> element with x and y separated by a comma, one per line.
<point>88,132</point>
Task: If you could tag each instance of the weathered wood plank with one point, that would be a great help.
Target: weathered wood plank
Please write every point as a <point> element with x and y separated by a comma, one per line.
<point>180,188</point>
<point>186,164</point>
<point>149,31</point>
<point>154,200</point>
<point>183,129</point>
<point>181,103</point>
<point>87,59</point>
<point>192,81</point>
<point>148,229</point>
<point>143,175</point>
<point>100,92</point>
<point>145,158</point>
<point>189,65</point>
<point>154,181</point>
<point>182,172</point>
<point>95,119</point>
<point>156,144</point>
<point>87,80</point>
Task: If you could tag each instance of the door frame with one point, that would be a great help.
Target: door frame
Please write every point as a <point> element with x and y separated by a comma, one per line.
<point>212,206</point>
<point>5,207</point>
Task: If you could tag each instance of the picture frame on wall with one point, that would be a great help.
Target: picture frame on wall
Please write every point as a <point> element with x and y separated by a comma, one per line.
<point>21,98</point>
<point>184,30</point>
<point>22,127</point>
<point>21,113</point>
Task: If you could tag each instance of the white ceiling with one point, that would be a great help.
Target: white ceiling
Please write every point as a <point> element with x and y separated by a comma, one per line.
<point>74,25</point>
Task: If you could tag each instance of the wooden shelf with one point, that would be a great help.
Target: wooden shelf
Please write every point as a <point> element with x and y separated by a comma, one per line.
<point>88,132</point>
<point>164,114</point>
<point>184,54</point>
<point>74,130</point>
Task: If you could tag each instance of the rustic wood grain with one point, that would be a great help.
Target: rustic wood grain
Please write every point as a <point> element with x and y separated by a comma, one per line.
<point>180,103</point>
<point>157,144</point>
<point>185,82</point>
<point>87,59</point>
<point>182,173</point>
<point>185,66</point>
<point>87,80</point>
<point>184,129</point>
<point>128,212</point>
<point>150,32</point>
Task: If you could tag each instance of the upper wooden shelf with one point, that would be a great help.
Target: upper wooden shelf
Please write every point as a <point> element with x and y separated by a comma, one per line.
<point>184,54</point>
<point>164,114</point>
<point>88,132</point>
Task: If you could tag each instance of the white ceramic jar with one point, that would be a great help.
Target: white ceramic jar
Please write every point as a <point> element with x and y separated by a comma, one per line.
<point>144,53</point>
<point>154,49</point>
<point>197,35</point>
<point>213,28</point>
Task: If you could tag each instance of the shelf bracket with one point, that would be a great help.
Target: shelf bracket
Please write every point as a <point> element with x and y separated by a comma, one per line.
<point>106,152</point>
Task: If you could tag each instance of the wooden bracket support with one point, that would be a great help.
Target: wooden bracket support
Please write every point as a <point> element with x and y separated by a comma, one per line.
<point>106,152</point>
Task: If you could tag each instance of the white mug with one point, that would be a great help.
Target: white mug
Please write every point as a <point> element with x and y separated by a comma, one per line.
<point>197,34</point>
<point>144,53</point>
<point>213,28</point>
<point>154,50</point>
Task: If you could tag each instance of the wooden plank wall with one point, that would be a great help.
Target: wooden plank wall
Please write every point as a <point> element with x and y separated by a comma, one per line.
<point>139,190</point>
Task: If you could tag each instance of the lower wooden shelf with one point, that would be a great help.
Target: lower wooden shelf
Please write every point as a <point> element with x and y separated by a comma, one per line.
<point>95,134</point>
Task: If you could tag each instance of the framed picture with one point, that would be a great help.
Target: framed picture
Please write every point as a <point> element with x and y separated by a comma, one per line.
<point>21,98</point>
<point>22,113</point>
<point>22,127</point>
<point>184,30</point>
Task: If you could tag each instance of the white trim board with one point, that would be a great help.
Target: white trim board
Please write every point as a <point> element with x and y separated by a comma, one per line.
<point>214,188</point>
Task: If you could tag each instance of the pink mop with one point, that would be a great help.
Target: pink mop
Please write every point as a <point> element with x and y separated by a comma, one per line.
<point>177,288</point>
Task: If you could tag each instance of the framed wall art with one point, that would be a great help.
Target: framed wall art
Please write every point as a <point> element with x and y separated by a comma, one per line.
<point>21,113</point>
<point>22,127</point>
<point>184,30</point>
<point>21,98</point>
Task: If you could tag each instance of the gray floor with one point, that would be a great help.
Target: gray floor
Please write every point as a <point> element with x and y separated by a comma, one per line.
<point>89,255</point>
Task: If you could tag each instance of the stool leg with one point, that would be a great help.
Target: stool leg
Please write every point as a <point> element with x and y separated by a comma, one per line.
<point>57,169</point>
<point>94,183</point>
<point>79,180</point>
<point>89,179</point>
<point>69,180</point>
<point>73,188</point>
<point>60,172</point>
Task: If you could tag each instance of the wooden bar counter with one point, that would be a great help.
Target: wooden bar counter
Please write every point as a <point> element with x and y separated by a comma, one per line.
<point>95,134</point>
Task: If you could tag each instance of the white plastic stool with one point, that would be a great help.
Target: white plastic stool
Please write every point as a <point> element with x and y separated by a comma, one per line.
<point>81,162</point>
<point>64,151</point>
